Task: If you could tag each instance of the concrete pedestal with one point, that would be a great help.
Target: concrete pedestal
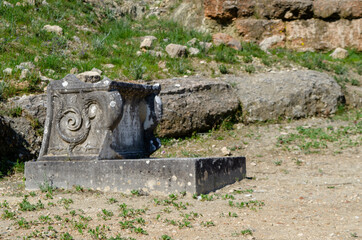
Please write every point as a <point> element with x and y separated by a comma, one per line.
<point>155,176</point>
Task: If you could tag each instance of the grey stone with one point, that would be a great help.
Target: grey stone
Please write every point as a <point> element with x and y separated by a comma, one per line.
<point>104,120</point>
<point>89,76</point>
<point>155,53</point>
<point>33,106</point>
<point>297,94</point>
<point>24,73</point>
<point>339,53</point>
<point>154,176</point>
<point>25,65</point>
<point>176,50</point>
<point>206,45</point>
<point>8,4</point>
<point>192,42</point>
<point>54,29</point>
<point>8,71</point>
<point>194,104</point>
<point>193,51</point>
<point>270,41</point>
<point>96,70</point>
<point>108,66</point>
<point>147,42</point>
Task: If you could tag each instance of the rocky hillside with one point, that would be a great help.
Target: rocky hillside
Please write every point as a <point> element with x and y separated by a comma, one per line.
<point>296,24</point>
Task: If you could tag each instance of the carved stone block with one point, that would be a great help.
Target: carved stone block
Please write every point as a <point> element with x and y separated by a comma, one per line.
<point>103,120</point>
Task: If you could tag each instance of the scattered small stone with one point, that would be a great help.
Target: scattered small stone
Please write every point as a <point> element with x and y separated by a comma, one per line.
<point>192,42</point>
<point>25,65</point>
<point>114,46</point>
<point>76,39</point>
<point>36,59</point>
<point>202,62</point>
<point>96,70</point>
<point>89,76</point>
<point>206,45</point>
<point>223,38</point>
<point>176,50</point>
<point>225,151</point>
<point>74,71</point>
<point>193,51</point>
<point>50,71</point>
<point>253,164</point>
<point>166,40</point>
<point>24,73</point>
<point>53,28</point>
<point>8,71</point>
<point>108,66</point>
<point>162,64</point>
<point>5,3</point>
<point>138,53</point>
<point>147,42</point>
<point>18,4</point>
<point>45,3</point>
<point>339,53</point>
<point>155,53</point>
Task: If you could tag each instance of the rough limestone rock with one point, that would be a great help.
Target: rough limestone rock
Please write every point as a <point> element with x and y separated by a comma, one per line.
<point>54,29</point>
<point>322,35</point>
<point>270,42</point>
<point>7,71</point>
<point>147,42</point>
<point>18,139</point>
<point>339,53</point>
<point>25,65</point>
<point>294,94</point>
<point>24,73</point>
<point>258,29</point>
<point>284,9</point>
<point>193,51</point>
<point>223,38</point>
<point>90,76</point>
<point>33,106</point>
<point>176,50</point>
<point>194,105</point>
<point>335,9</point>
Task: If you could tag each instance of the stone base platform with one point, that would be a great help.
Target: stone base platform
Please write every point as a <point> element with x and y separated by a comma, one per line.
<point>154,176</point>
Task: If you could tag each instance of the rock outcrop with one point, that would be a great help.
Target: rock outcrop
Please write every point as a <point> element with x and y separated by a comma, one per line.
<point>292,94</point>
<point>194,105</point>
<point>302,24</point>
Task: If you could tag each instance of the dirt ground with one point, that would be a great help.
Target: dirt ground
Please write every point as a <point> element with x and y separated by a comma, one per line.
<point>295,194</point>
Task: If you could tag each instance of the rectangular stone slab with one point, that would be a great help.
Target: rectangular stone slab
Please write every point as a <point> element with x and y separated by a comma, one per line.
<point>154,176</point>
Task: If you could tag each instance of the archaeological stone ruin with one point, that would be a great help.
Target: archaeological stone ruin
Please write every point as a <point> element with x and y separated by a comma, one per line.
<point>100,135</point>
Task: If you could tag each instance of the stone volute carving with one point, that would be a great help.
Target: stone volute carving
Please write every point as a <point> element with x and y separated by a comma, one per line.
<point>103,120</point>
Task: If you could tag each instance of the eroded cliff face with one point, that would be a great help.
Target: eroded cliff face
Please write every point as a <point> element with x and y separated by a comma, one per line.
<point>301,24</point>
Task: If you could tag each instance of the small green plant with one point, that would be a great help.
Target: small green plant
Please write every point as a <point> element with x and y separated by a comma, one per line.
<point>23,223</point>
<point>250,69</point>
<point>33,194</point>
<point>66,236</point>
<point>208,224</point>
<point>135,192</point>
<point>278,163</point>
<point>232,215</point>
<point>355,82</point>
<point>25,205</point>
<point>137,70</point>
<point>99,232</point>
<point>106,215</point>
<point>140,231</point>
<point>112,200</point>
<point>46,187</point>
<point>223,69</point>
<point>45,219</point>
<point>5,204</point>
<point>8,214</point>
<point>66,202</point>
<point>79,188</point>
<point>165,237</point>
<point>249,204</point>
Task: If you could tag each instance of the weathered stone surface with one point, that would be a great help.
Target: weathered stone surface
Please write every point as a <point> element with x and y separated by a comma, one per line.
<point>190,13</point>
<point>105,120</point>
<point>24,73</point>
<point>223,10</point>
<point>147,42</point>
<point>321,35</point>
<point>153,176</point>
<point>273,41</point>
<point>33,106</point>
<point>193,51</point>
<point>25,65</point>
<point>18,139</point>
<point>7,71</point>
<point>294,94</point>
<point>176,50</point>
<point>194,105</point>
<point>335,9</point>
<point>89,76</point>
<point>284,9</point>
<point>55,29</point>
<point>339,53</point>
<point>258,29</point>
<point>227,40</point>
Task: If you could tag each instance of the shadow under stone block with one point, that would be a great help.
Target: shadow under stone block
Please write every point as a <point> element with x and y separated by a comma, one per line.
<point>154,176</point>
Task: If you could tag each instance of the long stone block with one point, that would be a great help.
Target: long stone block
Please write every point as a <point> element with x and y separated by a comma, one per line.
<point>154,176</point>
